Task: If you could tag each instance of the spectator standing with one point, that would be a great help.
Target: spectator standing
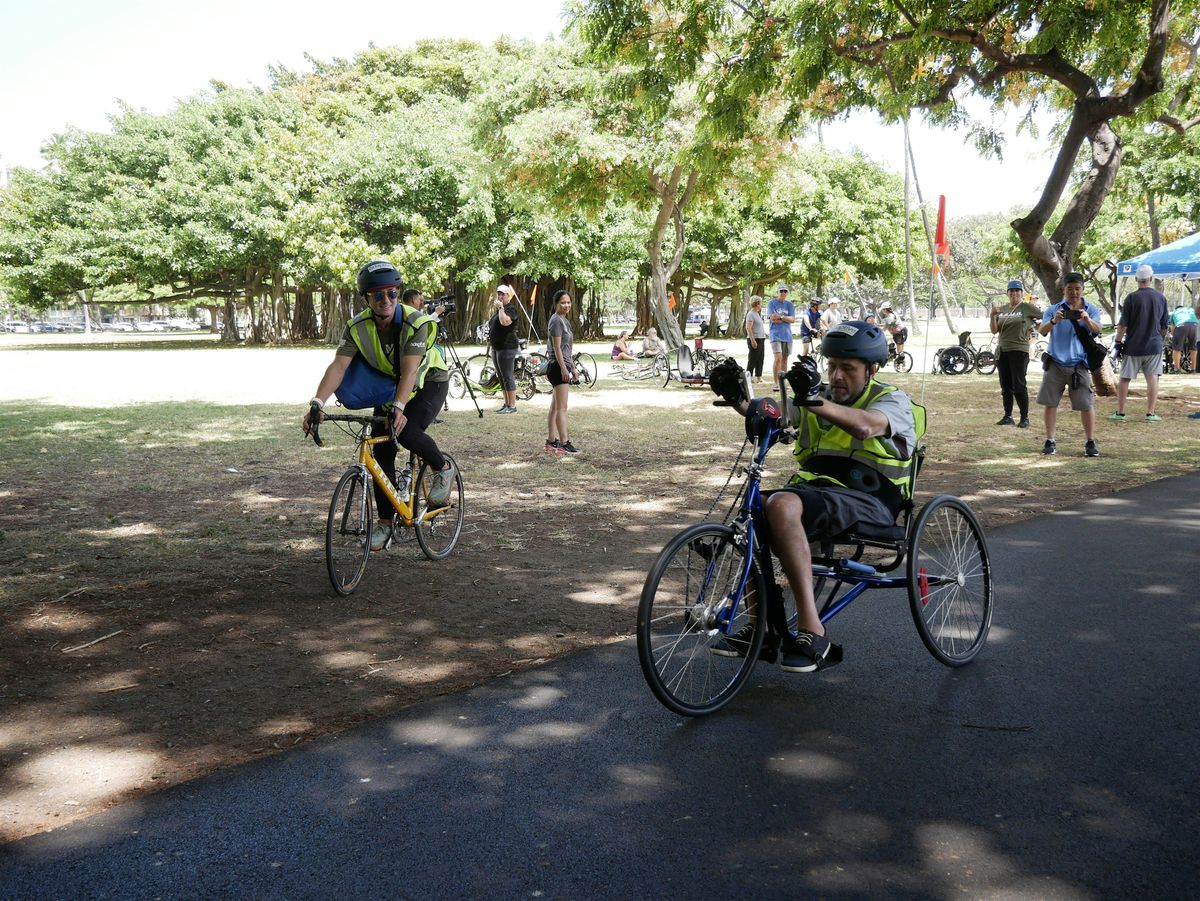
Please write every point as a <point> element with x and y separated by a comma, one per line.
<point>1013,325</point>
<point>1067,367</point>
<point>832,317</point>
<point>756,338</point>
<point>1140,332</point>
<point>560,372</point>
<point>1184,335</point>
<point>810,326</point>
<point>502,337</point>
<point>781,313</point>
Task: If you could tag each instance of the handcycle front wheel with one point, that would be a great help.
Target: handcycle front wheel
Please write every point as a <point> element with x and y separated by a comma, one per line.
<point>950,580</point>
<point>438,531</point>
<point>348,531</point>
<point>690,593</point>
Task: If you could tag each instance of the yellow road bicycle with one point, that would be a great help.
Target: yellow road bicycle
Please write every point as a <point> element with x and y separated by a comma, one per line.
<point>352,510</point>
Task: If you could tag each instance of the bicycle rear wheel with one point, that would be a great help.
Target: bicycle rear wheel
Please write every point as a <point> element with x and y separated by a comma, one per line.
<point>585,367</point>
<point>950,581</point>
<point>903,361</point>
<point>692,589</point>
<point>348,531</point>
<point>458,383</point>
<point>438,530</point>
<point>954,361</point>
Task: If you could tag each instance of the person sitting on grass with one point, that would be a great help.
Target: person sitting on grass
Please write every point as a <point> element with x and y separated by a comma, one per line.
<point>651,346</point>
<point>620,350</point>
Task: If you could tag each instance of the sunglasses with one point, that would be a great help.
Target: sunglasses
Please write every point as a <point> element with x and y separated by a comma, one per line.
<point>380,296</point>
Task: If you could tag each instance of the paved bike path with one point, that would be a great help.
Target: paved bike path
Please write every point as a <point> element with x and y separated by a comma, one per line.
<point>1062,763</point>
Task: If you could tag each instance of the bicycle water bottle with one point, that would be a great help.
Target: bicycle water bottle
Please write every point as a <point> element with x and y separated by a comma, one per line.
<point>404,481</point>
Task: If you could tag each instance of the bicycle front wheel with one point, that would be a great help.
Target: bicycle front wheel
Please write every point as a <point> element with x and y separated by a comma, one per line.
<point>438,528</point>
<point>691,661</point>
<point>903,361</point>
<point>458,384</point>
<point>985,362</point>
<point>950,581</point>
<point>585,367</point>
<point>348,531</point>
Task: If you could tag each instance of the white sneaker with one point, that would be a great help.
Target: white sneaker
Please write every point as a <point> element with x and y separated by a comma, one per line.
<point>439,491</point>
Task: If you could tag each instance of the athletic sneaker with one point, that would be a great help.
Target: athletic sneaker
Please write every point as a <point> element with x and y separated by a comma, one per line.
<point>737,644</point>
<point>439,491</point>
<point>569,448</point>
<point>507,409</point>
<point>1005,420</point>
<point>553,447</point>
<point>807,653</point>
<point>1090,449</point>
<point>1153,417</point>
<point>380,533</point>
<point>1024,423</point>
<point>1118,417</point>
<point>1049,447</point>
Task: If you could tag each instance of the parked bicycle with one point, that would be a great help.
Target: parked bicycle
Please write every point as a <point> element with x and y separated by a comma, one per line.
<point>352,509</point>
<point>902,362</point>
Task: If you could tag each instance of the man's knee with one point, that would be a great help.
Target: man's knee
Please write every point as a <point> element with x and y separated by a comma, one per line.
<point>784,512</point>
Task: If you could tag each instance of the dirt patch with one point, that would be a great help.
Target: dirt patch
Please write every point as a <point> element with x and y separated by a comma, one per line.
<point>166,610</point>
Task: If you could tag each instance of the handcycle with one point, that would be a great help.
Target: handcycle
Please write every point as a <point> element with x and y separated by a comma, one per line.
<point>585,369</point>
<point>965,357</point>
<point>478,373</point>
<point>691,368</point>
<point>711,581</point>
<point>352,509</point>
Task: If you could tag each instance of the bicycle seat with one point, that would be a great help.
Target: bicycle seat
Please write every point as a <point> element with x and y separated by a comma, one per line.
<point>872,533</point>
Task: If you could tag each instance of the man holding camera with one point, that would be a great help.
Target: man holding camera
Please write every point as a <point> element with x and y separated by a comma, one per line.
<point>383,334</point>
<point>1065,364</point>
<point>855,449</point>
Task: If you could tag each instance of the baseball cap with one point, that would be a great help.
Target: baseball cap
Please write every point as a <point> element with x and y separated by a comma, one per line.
<point>1015,285</point>
<point>1073,278</point>
<point>886,305</point>
<point>833,300</point>
<point>1145,272</point>
<point>504,289</point>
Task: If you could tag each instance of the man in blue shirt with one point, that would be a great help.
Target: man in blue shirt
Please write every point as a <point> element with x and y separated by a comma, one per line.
<point>781,314</point>
<point>1067,366</point>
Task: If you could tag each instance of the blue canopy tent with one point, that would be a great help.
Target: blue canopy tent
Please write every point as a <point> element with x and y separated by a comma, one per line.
<point>1179,259</point>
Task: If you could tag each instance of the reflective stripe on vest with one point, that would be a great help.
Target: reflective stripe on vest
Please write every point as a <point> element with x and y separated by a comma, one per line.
<point>817,440</point>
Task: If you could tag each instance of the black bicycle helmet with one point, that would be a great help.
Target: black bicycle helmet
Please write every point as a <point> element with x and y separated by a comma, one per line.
<point>856,340</point>
<point>377,274</point>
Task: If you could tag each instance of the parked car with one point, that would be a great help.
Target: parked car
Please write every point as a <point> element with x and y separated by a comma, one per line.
<point>181,325</point>
<point>117,325</point>
<point>16,325</point>
<point>44,327</point>
<point>149,326</point>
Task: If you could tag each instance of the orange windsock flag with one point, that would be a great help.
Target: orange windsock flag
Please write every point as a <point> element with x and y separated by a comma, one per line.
<point>941,245</point>
<point>533,296</point>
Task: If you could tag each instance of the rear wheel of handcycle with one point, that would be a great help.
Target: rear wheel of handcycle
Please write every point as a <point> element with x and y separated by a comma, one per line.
<point>985,362</point>
<point>585,368</point>
<point>903,361</point>
<point>953,361</point>
<point>348,531</point>
<point>438,530</point>
<point>949,580</point>
<point>690,591</point>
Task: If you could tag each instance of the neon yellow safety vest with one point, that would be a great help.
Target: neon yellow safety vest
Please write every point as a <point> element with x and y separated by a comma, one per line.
<point>822,439</point>
<point>365,335</point>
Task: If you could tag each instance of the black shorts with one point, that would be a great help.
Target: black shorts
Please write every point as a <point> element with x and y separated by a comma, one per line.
<point>830,510</point>
<point>901,336</point>
<point>555,374</point>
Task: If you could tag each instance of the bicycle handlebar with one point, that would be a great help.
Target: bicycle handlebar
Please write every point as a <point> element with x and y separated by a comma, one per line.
<point>314,422</point>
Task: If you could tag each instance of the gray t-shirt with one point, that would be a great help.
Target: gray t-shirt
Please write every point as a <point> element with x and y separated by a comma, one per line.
<point>755,327</point>
<point>559,327</point>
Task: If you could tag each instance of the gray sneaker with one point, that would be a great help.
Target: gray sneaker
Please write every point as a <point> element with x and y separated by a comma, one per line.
<point>380,533</point>
<point>439,491</point>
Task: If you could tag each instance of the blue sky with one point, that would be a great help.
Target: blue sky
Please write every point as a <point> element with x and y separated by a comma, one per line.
<point>68,62</point>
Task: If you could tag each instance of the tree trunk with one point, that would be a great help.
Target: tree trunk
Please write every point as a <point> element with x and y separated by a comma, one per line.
<point>1152,217</point>
<point>739,303</point>
<point>642,315</point>
<point>229,331</point>
<point>304,316</point>
<point>671,205</point>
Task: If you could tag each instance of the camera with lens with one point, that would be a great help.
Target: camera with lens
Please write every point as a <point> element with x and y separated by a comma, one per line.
<point>1072,315</point>
<point>446,302</point>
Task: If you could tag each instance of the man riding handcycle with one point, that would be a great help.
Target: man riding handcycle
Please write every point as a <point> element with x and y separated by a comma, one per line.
<point>701,622</point>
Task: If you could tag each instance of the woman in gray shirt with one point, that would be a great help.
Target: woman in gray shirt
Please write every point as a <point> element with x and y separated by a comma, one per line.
<point>561,373</point>
<point>756,338</point>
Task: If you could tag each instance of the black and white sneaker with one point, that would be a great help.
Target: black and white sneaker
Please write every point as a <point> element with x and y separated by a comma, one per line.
<point>569,447</point>
<point>738,644</point>
<point>1090,449</point>
<point>1049,447</point>
<point>807,653</point>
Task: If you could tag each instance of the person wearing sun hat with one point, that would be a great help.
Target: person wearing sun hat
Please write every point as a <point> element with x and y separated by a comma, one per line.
<point>1012,325</point>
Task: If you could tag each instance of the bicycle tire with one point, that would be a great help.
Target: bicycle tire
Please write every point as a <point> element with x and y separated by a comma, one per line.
<point>438,534</point>
<point>954,361</point>
<point>348,531</point>
<point>903,361</point>
<point>526,388</point>
<point>479,367</point>
<point>985,362</point>
<point>458,384</point>
<point>949,581</point>
<point>687,589</point>
<point>585,368</point>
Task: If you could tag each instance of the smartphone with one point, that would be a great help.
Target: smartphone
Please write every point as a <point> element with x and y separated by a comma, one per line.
<point>1072,314</point>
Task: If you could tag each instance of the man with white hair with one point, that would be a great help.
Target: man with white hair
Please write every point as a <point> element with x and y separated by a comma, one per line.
<point>832,317</point>
<point>1140,332</point>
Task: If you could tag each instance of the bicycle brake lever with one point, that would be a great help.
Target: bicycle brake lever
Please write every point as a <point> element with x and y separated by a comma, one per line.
<point>314,424</point>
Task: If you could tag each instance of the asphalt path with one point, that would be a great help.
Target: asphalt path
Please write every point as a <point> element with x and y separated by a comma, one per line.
<point>1062,763</point>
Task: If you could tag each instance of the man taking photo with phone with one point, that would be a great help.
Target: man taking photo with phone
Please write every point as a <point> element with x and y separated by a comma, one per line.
<point>1066,363</point>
